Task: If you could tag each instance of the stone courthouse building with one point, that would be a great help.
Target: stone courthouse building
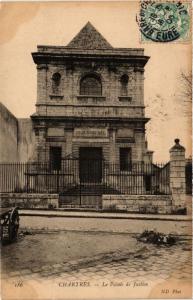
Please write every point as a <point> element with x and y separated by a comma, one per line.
<point>85,144</point>
<point>90,101</point>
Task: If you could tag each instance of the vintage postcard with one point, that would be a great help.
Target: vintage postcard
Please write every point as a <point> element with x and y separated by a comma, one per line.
<point>95,150</point>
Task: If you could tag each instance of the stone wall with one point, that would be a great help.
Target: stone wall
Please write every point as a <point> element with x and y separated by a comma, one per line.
<point>155,204</point>
<point>8,135</point>
<point>17,137</point>
<point>28,201</point>
<point>26,140</point>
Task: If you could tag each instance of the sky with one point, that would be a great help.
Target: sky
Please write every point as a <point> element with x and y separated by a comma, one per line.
<point>24,25</point>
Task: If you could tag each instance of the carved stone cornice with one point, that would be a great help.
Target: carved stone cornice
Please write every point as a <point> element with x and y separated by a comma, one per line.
<point>112,67</point>
<point>42,67</point>
<point>86,56</point>
<point>70,66</point>
<point>139,69</point>
<point>69,127</point>
<point>77,120</point>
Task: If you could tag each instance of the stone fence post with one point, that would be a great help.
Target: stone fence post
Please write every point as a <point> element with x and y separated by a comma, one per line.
<point>177,176</point>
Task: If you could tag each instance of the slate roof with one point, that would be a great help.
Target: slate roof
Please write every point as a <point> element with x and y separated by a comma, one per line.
<point>89,38</point>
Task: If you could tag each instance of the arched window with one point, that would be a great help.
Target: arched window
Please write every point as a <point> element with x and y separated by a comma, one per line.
<point>56,78</point>
<point>124,85</point>
<point>91,85</point>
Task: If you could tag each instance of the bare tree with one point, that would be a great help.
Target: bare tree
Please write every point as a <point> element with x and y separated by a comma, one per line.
<point>185,93</point>
<point>186,83</point>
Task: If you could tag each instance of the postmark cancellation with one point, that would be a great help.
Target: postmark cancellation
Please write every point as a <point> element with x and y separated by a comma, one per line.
<point>163,22</point>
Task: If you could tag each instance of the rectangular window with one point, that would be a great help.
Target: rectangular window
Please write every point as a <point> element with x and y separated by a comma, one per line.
<point>125,159</point>
<point>55,157</point>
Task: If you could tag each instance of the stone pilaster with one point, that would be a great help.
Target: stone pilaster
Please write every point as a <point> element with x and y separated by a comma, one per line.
<point>139,146</point>
<point>41,83</point>
<point>139,84</point>
<point>177,176</point>
<point>69,137</point>
<point>112,144</point>
<point>148,157</point>
<point>41,151</point>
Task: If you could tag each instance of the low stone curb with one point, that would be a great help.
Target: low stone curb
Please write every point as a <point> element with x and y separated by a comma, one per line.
<point>96,215</point>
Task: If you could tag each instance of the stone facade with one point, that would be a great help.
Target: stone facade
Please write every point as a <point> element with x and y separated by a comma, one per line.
<point>90,105</point>
<point>68,118</point>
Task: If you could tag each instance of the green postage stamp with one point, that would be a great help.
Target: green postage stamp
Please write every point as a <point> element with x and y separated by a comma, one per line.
<point>164,21</point>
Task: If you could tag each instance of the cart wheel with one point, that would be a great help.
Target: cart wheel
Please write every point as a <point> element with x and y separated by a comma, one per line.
<point>13,224</point>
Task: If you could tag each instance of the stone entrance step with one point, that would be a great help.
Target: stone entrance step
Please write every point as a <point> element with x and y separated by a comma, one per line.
<point>72,207</point>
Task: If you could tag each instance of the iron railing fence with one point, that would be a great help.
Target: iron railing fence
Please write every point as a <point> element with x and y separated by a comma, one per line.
<point>86,176</point>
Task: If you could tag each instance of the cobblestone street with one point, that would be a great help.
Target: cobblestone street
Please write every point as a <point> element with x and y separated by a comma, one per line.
<point>72,256</point>
<point>69,258</point>
<point>171,262</point>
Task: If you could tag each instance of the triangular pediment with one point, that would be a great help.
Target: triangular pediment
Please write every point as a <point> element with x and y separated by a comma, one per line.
<point>89,38</point>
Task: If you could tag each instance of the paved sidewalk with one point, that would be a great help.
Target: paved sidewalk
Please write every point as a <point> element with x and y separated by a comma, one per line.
<point>118,225</point>
<point>109,215</point>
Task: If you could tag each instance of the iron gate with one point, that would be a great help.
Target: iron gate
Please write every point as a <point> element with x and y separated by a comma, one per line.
<point>83,182</point>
